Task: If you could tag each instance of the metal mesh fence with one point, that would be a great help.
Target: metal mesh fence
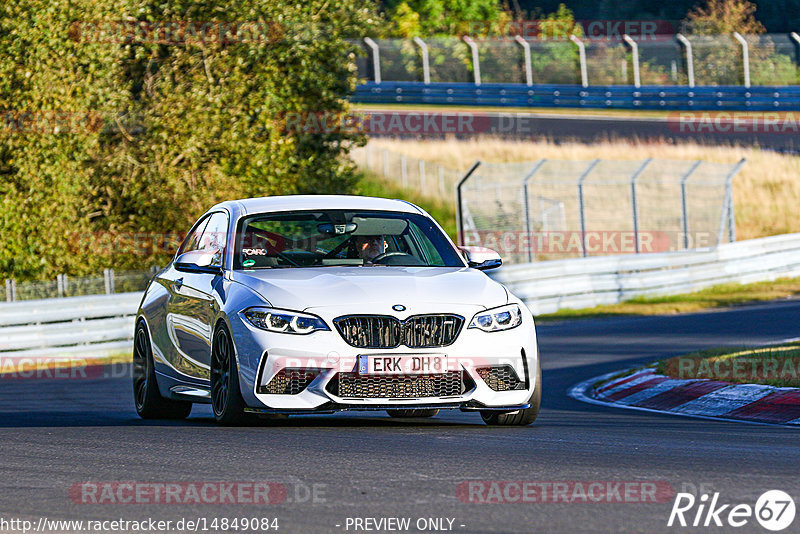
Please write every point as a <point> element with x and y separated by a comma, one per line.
<point>717,60</point>
<point>552,209</point>
<point>555,62</point>
<point>663,60</point>
<point>607,62</point>
<point>428,178</point>
<point>400,61</point>
<point>67,286</point>
<point>449,60</point>
<point>773,59</point>
<point>501,61</point>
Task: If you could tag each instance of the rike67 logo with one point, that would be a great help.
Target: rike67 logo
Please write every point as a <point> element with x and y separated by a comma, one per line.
<point>774,510</point>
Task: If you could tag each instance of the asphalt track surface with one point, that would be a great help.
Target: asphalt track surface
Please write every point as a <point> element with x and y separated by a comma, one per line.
<point>718,129</point>
<point>55,433</point>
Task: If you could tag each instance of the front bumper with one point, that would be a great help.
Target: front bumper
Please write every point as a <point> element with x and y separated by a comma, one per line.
<point>263,355</point>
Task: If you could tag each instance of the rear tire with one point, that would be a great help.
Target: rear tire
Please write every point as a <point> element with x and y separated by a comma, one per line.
<point>413,413</point>
<point>226,398</point>
<point>146,397</point>
<point>520,417</point>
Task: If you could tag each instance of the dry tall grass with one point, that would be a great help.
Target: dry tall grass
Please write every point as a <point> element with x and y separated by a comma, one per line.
<point>766,192</point>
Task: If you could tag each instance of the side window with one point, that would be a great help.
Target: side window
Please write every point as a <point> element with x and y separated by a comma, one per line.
<point>193,240</point>
<point>428,249</point>
<point>215,236</point>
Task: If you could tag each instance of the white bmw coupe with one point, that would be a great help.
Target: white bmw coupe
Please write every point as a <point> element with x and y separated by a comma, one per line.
<point>317,304</point>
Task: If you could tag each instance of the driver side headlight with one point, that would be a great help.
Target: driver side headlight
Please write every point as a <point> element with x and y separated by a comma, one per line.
<point>497,319</point>
<point>284,321</point>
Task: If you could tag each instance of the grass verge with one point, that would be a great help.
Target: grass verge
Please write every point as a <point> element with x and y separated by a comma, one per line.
<point>777,365</point>
<point>720,296</point>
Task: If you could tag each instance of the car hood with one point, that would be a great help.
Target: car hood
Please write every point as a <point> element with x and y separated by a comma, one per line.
<point>303,288</point>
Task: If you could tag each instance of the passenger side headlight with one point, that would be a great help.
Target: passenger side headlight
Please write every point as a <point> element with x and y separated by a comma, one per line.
<point>284,321</point>
<point>497,319</point>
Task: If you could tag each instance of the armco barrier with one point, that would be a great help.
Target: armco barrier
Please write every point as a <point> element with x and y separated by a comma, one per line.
<point>549,286</point>
<point>729,98</point>
<point>77,327</point>
<point>98,325</point>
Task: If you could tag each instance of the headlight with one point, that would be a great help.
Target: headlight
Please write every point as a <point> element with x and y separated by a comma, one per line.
<point>496,319</point>
<point>284,321</point>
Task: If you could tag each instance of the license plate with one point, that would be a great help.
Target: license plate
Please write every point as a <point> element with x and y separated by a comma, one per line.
<point>402,364</point>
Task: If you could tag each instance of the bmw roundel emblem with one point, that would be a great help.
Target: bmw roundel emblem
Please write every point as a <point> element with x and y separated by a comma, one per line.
<point>399,307</point>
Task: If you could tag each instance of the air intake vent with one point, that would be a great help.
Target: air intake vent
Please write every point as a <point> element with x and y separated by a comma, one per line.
<point>501,378</point>
<point>353,385</point>
<point>289,381</point>
<point>386,332</point>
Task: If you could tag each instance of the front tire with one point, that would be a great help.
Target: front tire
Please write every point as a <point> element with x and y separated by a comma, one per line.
<point>413,413</point>
<point>146,397</point>
<point>226,398</point>
<point>520,417</point>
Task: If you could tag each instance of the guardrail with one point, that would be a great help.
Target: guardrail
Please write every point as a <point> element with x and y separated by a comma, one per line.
<point>672,97</point>
<point>84,327</point>
<point>76,327</point>
<point>549,286</point>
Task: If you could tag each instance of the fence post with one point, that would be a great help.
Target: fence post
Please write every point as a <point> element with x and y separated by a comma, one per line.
<point>403,176</point>
<point>476,65</point>
<point>581,207</point>
<point>634,177</point>
<point>637,81</point>
<point>689,58</point>
<point>796,39</point>
<point>376,59</point>
<point>582,55</point>
<point>386,163</point>
<point>107,281</point>
<point>111,280</point>
<point>684,208</point>
<point>426,66</point>
<point>60,285</point>
<point>460,202</point>
<point>745,57</point>
<point>441,181</point>
<point>727,203</point>
<point>422,175</point>
<point>525,181</point>
<point>526,50</point>
<point>11,290</point>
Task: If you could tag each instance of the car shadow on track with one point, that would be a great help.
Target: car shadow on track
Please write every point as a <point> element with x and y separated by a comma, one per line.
<point>93,418</point>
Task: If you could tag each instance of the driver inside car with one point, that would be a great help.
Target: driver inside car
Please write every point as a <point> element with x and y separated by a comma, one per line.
<point>369,247</point>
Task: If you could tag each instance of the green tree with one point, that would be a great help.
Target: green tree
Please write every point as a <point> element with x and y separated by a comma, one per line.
<point>187,123</point>
<point>410,18</point>
<point>718,55</point>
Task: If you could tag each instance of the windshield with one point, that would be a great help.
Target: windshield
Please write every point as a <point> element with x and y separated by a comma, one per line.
<point>334,238</point>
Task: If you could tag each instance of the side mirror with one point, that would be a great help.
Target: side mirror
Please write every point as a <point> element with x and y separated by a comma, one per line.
<point>198,261</point>
<point>481,258</point>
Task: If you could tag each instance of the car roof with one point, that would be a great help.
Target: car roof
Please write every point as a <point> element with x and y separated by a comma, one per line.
<point>312,202</point>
